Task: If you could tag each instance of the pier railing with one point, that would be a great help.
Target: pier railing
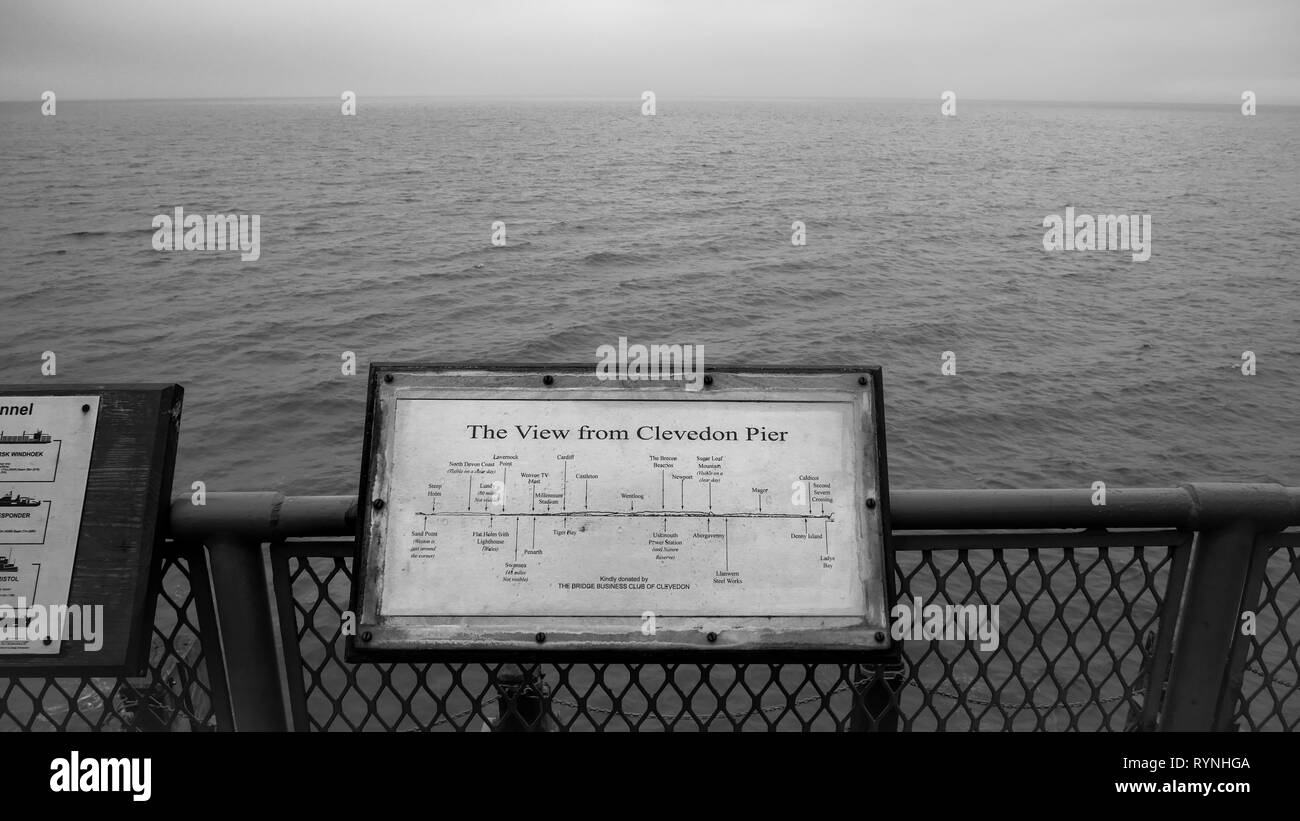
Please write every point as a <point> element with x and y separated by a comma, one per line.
<point>1164,609</point>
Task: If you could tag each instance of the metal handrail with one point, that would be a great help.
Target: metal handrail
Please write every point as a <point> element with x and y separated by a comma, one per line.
<point>263,515</point>
<point>1222,575</point>
<point>271,515</point>
<point>1190,506</point>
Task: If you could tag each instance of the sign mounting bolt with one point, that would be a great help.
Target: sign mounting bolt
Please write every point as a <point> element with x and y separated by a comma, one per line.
<point>712,637</point>
<point>377,504</point>
<point>85,408</point>
<point>871,502</point>
<point>708,379</point>
<point>388,377</point>
<point>541,637</point>
<point>548,380</point>
<point>367,636</point>
<point>862,380</point>
<point>880,637</point>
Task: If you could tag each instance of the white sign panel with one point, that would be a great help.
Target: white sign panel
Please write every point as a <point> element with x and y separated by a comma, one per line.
<point>614,508</point>
<point>45,444</point>
<point>606,514</point>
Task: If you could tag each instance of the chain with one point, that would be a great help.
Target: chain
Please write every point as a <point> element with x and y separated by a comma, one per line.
<point>1022,705</point>
<point>452,716</point>
<point>592,708</point>
<point>1264,674</point>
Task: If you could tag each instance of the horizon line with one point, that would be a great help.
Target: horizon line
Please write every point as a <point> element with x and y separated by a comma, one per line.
<point>637,99</point>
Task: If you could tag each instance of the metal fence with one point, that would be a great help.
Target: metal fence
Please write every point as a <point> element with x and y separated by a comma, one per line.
<point>1122,617</point>
<point>1265,693</point>
<point>180,691</point>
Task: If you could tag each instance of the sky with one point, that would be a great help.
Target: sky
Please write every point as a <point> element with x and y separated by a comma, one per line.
<point>1068,50</point>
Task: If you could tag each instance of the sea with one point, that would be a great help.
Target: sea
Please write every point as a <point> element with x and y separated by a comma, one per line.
<point>924,246</point>
<point>924,235</point>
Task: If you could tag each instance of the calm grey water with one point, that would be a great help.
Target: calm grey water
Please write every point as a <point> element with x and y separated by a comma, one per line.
<point>924,235</point>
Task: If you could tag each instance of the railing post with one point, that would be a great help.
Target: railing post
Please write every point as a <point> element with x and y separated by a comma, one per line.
<point>233,528</point>
<point>878,690</point>
<point>1232,689</point>
<point>523,700</point>
<point>1228,518</point>
<point>247,632</point>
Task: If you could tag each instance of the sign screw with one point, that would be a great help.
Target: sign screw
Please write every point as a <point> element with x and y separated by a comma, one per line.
<point>388,377</point>
<point>880,637</point>
<point>541,637</point>
<point>85,408</point>
<point>367,636</point>
<point>862,380</point>
<point>712,637</point>
<point>871,502</point>
<point>548,380</point>
<point>377,504</point>
<point>708,379</point>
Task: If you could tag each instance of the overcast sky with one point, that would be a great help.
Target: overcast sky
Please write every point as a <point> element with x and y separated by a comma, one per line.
<point>1104,50</point>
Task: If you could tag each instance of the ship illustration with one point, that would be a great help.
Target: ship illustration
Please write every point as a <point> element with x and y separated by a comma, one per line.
<point>24,438</point>
<point>7,566</point>
<point>10,500</point>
